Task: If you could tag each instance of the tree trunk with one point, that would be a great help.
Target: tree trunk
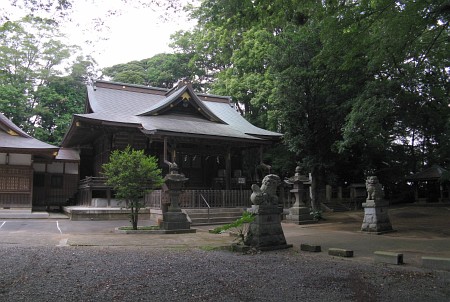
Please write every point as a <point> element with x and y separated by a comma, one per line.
<point>317,187</point>
<point>134,214</point>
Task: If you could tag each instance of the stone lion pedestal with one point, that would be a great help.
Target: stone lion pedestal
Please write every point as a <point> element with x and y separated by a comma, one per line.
<point>376,218</point>
<point>265,232</point>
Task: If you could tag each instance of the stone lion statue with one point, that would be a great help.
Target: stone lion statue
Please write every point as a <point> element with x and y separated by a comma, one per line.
<point>267,194</point>
<point>374,189</point>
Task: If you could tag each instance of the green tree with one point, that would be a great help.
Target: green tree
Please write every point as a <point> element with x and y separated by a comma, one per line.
<point>56,104</point>
<point>162,70</point>
<point>33,92</point>
<point>356,86</point>
<point>399,119</point>
<point>132,174</point>
<point>31,53</point>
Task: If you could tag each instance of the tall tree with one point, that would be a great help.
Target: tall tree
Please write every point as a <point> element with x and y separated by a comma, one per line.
<point>355,83</point>
<point>30,53</point>
<point>162,70</point>
<point>404,103</point>
<point>33,94</point>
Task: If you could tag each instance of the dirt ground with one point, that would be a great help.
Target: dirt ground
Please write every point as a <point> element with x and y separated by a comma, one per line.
<point>409,221</point>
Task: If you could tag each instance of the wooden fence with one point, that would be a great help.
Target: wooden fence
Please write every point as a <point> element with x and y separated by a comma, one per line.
<point>203,198</point>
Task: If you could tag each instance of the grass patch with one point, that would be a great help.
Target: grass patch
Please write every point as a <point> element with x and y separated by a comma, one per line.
<point>140,228</point>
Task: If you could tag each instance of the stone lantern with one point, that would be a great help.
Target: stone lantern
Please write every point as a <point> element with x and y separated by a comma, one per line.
<point>299,213</point>
<point>174,219</point>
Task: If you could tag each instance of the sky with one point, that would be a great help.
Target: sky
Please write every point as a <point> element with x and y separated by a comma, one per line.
<point>124,33</point>
<point>133,34</point>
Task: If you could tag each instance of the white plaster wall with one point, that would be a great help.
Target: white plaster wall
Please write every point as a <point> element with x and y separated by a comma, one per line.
<point>55,168</point>
<point>20,159</point>
<point>2,158</point>
<point>71,168</point>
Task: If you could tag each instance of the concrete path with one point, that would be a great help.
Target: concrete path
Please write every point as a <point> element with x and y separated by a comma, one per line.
<point>420,231</point>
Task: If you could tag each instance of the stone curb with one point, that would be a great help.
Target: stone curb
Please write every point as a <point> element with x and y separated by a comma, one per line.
<point>310,248</point>
<point>388,257</point>
<point>340,252</point>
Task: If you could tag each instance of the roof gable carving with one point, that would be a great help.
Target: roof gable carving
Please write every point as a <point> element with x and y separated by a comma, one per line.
<point>182,101</point>
<point>10,128</point>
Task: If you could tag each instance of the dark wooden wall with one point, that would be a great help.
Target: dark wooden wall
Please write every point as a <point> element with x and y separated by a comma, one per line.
<point>16,184</point>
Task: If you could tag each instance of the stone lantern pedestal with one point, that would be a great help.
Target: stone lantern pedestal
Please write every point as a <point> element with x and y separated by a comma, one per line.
<point>376,218</point>
<point>299,213</point>
<point>174,219</point>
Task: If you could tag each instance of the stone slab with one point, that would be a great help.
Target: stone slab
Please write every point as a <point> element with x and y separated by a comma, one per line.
<point>340,252</point>
<point>310,248</point>
<point>437,263</point>
<point>388,257</point>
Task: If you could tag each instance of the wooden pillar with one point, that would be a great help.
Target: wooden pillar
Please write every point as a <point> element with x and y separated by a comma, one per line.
<point>89,196</point>
<point>172,150</point>
<point>228,169</point>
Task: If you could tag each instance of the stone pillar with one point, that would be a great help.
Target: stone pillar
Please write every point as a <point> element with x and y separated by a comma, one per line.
<point>299,213</point>
<point>376,218</point>
<point>174,219</point>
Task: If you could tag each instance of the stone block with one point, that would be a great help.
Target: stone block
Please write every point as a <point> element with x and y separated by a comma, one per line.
<point>175,221</point>
<point>388,257</point>
<point>340,252</point>
<point>436,263</point>
<point>310,248</point>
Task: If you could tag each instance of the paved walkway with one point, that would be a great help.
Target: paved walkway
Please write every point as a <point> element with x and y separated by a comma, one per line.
<point>420,231</point>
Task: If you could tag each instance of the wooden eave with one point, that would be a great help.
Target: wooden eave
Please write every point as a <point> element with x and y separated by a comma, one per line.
<point>189,136</point>
<point>84,130</point>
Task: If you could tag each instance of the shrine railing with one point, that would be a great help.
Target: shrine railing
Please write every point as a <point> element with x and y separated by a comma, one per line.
<point>196,198</point>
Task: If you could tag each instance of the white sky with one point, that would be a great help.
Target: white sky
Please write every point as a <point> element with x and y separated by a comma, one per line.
<point>135,33</point>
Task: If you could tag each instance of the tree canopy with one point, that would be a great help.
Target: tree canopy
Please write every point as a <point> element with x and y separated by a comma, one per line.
<point>162,70</point>
<point>357,87</point>
<point>34,93</point>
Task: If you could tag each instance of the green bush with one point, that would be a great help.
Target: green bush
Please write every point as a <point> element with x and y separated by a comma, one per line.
<point>241,225</point>
<point>132,174</point>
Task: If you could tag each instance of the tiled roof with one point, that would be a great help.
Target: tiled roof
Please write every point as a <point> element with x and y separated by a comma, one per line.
<point>150,110</point>
<point>12,137</point>
<point>431,173</point>
<point>68,154</point>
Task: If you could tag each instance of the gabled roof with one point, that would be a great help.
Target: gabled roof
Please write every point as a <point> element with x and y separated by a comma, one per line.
<point>178,112</point>
<point>14,139</point>
<point>10,128</point>
<point>185,95</point>
<point>434,172</point>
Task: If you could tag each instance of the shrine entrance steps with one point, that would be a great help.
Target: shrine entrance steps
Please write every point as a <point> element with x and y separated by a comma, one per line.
<point>211,216</point>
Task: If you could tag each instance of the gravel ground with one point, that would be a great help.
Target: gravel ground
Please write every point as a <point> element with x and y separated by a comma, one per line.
<point>143,274</point>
